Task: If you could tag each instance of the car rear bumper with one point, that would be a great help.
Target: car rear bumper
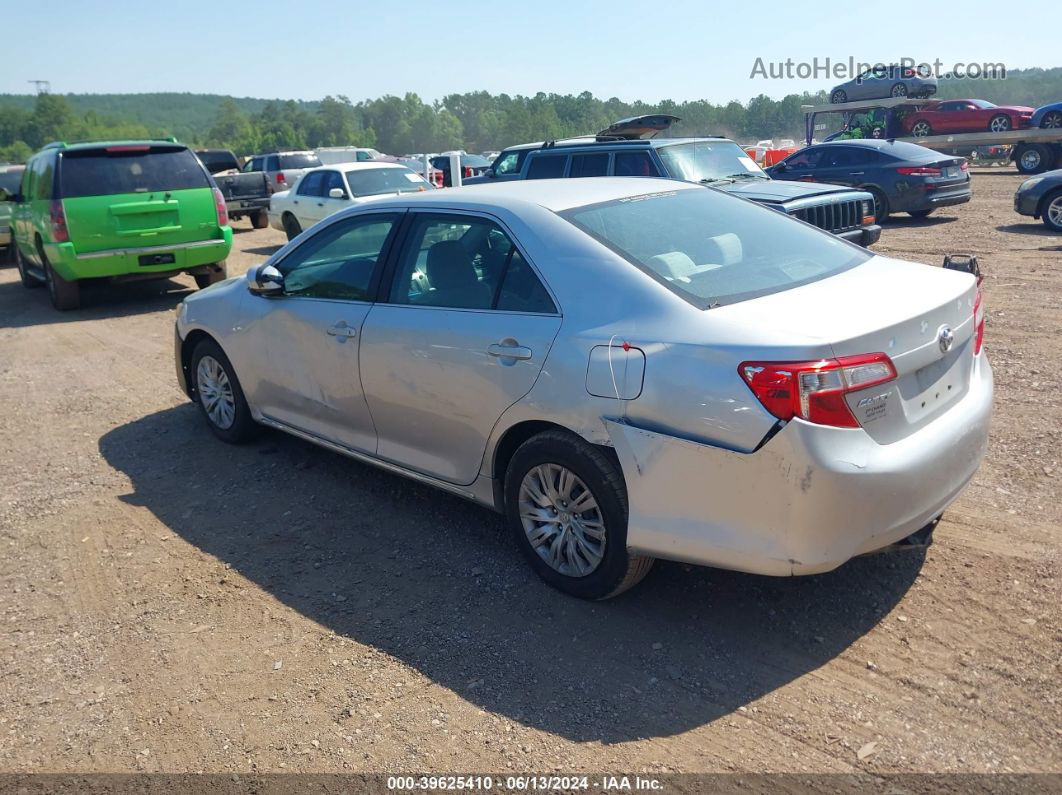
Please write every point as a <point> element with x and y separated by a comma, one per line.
<point>807,501</point>
<point>864,236</point>
<point>947,198</point>
<point>245,206</point>
<point>71,264</point>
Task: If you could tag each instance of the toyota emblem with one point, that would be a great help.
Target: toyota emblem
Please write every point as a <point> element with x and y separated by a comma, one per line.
<point>945,338</point>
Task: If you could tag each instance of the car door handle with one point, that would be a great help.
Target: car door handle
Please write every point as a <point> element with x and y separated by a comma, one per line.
<point>855,173</point>
<point>341,330</point>
<point>320,204</point>
<point>509,351</point>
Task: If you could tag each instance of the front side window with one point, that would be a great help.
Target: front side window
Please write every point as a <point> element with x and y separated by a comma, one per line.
<point>547,166</point>
<point>363,156</point>
<point>466,262</point>
<point>332,179</point>
<point>808,158</point>
<point>338,262</point>
<point>310,184</point>
<point>713,249</point>
<point>634,164</point>
<point>129,169</point>
<point>9,180</point>
<point>507,163</point>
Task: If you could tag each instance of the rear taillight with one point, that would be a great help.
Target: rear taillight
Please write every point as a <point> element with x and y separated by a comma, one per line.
<point>222,210</point>
<point>60,234</point>
<point>280,178</point>
<point>964,166</point>
<point>815,391</point>
<point>979,321</point>
<point>466,172</point>
<point>919,171</point>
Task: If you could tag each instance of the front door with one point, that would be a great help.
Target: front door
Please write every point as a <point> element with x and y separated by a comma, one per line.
<point>463,335</point>
<point>308,339</point>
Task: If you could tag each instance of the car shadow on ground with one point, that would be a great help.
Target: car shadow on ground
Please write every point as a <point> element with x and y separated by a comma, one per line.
<point>1030,227</point>
<point>435,582</point>
<point>20,307</point>
<point>903,219</point>
<point>262,251</point>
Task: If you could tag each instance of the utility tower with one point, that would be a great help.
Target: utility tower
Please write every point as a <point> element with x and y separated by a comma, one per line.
<point>43,86</point>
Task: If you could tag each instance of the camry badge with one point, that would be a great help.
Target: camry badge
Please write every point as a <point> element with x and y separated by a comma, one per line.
<point>945,338</point>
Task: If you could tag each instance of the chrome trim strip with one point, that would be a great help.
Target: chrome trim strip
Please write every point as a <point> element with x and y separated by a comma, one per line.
<point>365,458</point>
<point>118,252</point>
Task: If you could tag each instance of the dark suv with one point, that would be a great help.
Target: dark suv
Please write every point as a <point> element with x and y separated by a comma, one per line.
<point>623,150</point>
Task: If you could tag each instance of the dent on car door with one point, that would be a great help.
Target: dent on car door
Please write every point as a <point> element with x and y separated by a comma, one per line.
<point>306,342</point>
<point>463,335</point>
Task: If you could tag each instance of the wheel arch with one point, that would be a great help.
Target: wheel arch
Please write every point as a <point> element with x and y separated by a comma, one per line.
<point>1046,199</point>
<point>188,345</point>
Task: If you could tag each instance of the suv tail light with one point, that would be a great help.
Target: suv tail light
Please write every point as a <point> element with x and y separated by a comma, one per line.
<point>964,165</point>
<point>466,172</point>
<point>815,391</point>
<point>979,321</point>
<point>222,210</point>
<point>60,234</point>
<point>919,171</point>
<point>280,178</point>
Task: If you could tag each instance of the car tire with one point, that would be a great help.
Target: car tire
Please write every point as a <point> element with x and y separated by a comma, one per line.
<point>1051,211</point>
<point>921,128</point>
<point>64,294</point>
<point>260,220</point>
<point>217,273</point>
<point>28,280</point>
<point>881,204</point>
<point>898,90</point>
<point>592,472</point>
<point>1052,120</point>
<point>999,123</point>
<point>225,408</point>
<point>919,213</point>
<point>838,96</point>
<point>1033,158</point>
<point>291,226</point>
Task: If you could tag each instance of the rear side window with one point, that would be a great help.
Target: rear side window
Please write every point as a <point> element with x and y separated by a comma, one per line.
<point>299,161</point>
<point>635,164</point>
<point>311,184</point>
<point>129,169</point>
<point>595,165</point>
<point>547,166</point>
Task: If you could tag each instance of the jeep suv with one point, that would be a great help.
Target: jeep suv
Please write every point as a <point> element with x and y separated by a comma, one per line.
<point>623,150</point>
<point>124,210</point>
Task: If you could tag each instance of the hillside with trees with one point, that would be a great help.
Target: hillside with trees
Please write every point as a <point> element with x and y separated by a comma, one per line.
<point>474,121</point>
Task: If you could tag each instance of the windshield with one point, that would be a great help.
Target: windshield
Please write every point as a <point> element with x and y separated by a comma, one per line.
<point>708,160</point>
<point>713,249</point>
<point>301,160</point>
<point>129,169</point>
<point>374,181</point>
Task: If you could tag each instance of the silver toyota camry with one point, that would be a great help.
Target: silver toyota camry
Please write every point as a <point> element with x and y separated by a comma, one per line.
<point>628,369</point>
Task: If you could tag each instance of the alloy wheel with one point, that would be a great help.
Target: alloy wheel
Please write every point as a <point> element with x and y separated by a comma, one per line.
<point>1030,160</point>
<point>1052,120</point>
<point>920,129</point>
<point>899,90</point>
<point>562,520</point>
<point>215,392</point>
<point>999,124</point>
<point>1054,212</point>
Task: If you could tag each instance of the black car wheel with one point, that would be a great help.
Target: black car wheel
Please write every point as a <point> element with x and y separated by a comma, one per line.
<point>899,90</point>
<point>881,204</point>
<point>64,294</point>
<point>999,123</point>
<point>1033,158</point>
<point>28,279</point>
<point>1052,120</point>
<point>921,129</point>
<point>838,96</point>
<point>217,273</point>
<point>291,226</point>
<point>1051,211</point>
<point>918,213</point>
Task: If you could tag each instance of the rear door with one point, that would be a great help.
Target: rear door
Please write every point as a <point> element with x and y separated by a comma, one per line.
<point>306,200</point>
<point>130,196</point>
<point>461,336</point>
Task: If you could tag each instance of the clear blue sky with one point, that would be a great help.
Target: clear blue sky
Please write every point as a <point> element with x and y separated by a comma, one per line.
<point>679,49</point>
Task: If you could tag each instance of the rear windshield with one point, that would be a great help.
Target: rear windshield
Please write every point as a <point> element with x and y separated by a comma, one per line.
<point>129,169</point>
<point>218,161</point>
<point>299,161</point>
<point>373,181</point>
<point>10,180</point>
<point>713,249</point>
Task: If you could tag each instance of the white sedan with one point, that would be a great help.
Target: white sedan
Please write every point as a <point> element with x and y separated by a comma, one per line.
<point>323,191</point>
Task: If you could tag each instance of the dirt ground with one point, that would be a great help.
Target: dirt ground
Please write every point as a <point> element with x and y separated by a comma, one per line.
<point>169,603</point>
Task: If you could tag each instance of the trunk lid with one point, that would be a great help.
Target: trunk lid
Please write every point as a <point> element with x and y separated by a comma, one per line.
<point>902,309</point>
<point>135,220</point>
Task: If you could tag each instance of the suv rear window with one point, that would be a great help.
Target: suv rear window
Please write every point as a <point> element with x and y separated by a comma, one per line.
<point>712,249</point>
<point>129,169</point>
<point>299,161</point>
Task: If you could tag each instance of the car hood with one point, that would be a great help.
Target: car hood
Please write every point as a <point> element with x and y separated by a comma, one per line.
<point>1015,108</point>
<point>779,191</point>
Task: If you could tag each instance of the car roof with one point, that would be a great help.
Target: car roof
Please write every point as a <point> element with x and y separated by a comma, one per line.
<point>899,148</point>
<point>83,145</point>
<point>359,165</point>
<point>552,194</point>
<point>592,142</point>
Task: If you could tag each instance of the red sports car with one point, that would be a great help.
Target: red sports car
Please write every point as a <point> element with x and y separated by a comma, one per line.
<point>966,115</point>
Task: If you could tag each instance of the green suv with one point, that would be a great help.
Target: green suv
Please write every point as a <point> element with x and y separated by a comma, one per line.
<point>125,210</point>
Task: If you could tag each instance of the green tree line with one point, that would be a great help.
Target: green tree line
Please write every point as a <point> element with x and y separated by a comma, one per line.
<point>474,121</point>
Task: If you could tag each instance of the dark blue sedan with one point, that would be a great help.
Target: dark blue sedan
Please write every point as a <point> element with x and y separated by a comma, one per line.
<point>903,177</point>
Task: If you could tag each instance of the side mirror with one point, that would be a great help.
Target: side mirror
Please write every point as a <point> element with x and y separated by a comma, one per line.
<point>337,193</point>
<point>780,167</point>
<point>265,280</point>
